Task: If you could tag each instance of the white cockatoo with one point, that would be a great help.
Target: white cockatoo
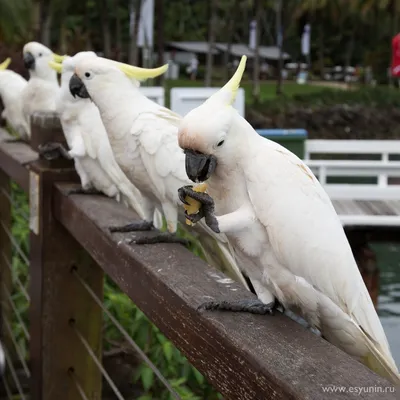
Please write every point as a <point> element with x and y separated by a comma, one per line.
<point>40,94</point>
<point>11,87</point>
<point>88,141</point>
<point>283,226</point>
<point>143,136</point>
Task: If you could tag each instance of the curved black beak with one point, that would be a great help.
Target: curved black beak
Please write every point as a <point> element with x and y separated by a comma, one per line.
<point>29,60</point>
<point>199,166</point>
<point>77,88</point>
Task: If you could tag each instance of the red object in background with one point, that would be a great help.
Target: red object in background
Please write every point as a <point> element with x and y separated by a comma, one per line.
<point>395,68</point>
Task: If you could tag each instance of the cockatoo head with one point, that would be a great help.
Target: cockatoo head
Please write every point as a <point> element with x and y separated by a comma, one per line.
<point>36,60</point>
<point>93,76</point>
<point>206,134</point>
<point>65,65</point>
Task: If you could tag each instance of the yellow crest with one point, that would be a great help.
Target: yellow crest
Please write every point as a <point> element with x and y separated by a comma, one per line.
<point>233,84</point>
<point>4,65</point>
<point>58,59</point>
<point>140,73</point>
<point>56,66</point>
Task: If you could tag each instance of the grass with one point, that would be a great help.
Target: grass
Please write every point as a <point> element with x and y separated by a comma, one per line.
<point>267,89</point>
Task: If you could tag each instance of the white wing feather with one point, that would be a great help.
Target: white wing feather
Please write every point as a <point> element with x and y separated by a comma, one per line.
<point>307,237</point>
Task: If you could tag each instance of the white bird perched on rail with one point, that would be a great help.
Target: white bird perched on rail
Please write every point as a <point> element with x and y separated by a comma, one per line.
<point>40,94</point>
<point>143,136</point>
<point>88,141</point>
<point>11,87</point>
<point>283,227</point>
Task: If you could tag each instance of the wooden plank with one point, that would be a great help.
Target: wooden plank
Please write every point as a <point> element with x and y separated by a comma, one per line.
<point>347,207</point>
<point>380,207</point>
<point>244,356</point>
<point>13,156</point>
<point>394,205</point>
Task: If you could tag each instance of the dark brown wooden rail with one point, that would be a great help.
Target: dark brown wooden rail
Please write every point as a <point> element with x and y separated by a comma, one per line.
<point>244,356</point>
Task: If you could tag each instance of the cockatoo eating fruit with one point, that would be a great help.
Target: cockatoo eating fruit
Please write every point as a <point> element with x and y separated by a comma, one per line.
<point>283,227</point>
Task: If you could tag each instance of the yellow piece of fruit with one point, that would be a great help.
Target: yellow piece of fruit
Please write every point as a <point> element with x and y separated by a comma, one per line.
<point>194,206</point>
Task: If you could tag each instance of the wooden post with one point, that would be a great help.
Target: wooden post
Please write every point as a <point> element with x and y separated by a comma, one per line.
<point>57,297</point>
<point>5,256</point>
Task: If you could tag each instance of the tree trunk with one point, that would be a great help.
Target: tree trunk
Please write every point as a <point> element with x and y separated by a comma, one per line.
<point>133,48</point>
<point>42,22</point>
<point>280,43</point>
<point>256,60</point>
<point>321,50</point>
<point>46,29</point>
<point>105,26</point>
<point>159,5</point>
<point>62,40</point>
<point>230,31</point>
<point>87,26</point>
<point>118,40</point>
<point>211,40</point>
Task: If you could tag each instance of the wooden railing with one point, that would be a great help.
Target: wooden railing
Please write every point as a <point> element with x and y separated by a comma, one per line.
<point>243,356</point>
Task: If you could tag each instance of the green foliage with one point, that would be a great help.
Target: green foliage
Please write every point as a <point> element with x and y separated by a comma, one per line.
<point>20,231</point>
<point>378,97</point>
<point>184,378</point>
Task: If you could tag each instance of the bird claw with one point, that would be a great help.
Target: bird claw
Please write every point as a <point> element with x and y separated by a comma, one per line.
<point>202,197</point>
<point>53,150</point>
<point>163,237</point>
<point>81,190</point>
<point>182,193</point>
<point>133,227</point>
<point>194,218</point>
<point>206,209</point>
<point>252,306</point>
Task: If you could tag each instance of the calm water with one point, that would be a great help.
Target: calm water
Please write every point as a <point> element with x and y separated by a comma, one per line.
<point>388,256</point>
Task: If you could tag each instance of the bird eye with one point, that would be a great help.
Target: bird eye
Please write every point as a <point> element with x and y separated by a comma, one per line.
<point>40,54</point>
<point>87,74</point>
<point>220,143</point>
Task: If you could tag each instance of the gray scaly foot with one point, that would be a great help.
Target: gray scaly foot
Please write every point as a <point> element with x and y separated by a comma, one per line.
<point>132,227</point>
<point>84,191</point>
<point>163,237</point>
<point>252,306</point>
<point>53,150</point>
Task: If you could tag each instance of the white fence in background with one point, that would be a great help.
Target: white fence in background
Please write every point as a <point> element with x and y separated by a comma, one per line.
<point>184,100</point>
<point>382,168</point>
<point>155,93</point>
